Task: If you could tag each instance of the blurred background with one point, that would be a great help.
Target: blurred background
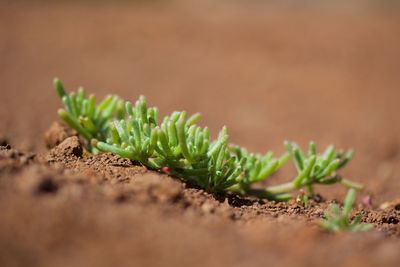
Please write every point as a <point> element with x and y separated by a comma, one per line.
<point>327,71</point>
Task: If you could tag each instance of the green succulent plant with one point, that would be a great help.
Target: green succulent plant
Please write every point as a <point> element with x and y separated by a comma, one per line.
<point>185,150</point>
<point>178,145</point>
<point>181,142</point>
<point>316,168</point>
<point>134,138</point>
<point>313,168</point>
<point>224,169</point>
<point>337,220</point>
<point>87,118</point>
<point>258,168</point>
<point>204,163</point>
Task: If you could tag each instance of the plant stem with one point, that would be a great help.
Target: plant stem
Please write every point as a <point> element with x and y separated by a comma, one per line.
<point>282,188</point>
<point>351,184</point>
<point>290,186</point>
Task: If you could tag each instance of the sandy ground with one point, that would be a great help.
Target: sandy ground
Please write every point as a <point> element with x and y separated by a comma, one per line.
<point>269,73</point>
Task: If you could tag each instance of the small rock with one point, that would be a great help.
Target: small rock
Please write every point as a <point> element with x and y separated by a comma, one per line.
<point>56,134</point>
<point>69,147</point>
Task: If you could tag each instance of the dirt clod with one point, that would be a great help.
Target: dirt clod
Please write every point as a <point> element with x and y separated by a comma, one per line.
<point>56,134</point>
<point>71,146</point>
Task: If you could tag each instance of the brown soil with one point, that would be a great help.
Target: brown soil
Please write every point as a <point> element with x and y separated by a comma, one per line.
<point>278,73</point>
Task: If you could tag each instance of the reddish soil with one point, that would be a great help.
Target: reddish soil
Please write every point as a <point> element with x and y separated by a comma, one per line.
<point>269,73</point>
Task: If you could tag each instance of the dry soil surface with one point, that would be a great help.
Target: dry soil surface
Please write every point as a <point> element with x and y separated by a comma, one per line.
<point>269,73</point>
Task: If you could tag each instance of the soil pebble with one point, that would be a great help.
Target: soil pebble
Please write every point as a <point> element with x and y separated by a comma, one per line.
<point>71,146</point>
<point>56,134</point>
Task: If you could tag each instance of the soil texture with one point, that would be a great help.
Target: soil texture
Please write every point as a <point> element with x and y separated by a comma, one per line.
<point>269,72</point>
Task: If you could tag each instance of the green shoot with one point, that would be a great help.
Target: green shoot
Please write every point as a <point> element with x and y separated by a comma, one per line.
<point>178,145</point>
<point>83,115</point>
<point>134,138</point>
<point>256,167</point>
<point>316,168</point>
<point>206,164</point>
<point>337,220</point>
<point>312,169</point>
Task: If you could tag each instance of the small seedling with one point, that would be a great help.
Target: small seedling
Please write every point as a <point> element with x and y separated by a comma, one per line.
<point>337,220</point>
<point>312,169</point>
<point>224,169</point>
<point>179,147</point>
<point>316,168</point>
<point>83,115</point>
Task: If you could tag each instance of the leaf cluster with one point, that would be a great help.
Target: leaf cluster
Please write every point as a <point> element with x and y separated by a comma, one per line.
<point>86,117</point>
<point>313,168</point>
<point>177,144</point>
